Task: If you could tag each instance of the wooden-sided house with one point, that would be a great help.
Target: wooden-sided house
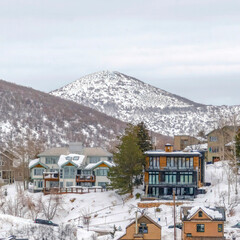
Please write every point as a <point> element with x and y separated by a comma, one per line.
<point>203,223</point>
<point>143,228</point>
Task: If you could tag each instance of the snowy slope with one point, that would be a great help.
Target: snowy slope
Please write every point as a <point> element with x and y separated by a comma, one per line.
<point>132,100</point>
<point>108,209</point>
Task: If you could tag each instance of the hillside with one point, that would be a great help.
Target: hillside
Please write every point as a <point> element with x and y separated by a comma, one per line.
<point>108,209</point>
<point>132,100</point>
<point>27,114</point>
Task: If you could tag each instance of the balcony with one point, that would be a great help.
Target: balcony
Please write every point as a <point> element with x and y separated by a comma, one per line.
<point>169,168</point>
<point>51,176</point>
<point>174,184</point>
<point>83,178</point>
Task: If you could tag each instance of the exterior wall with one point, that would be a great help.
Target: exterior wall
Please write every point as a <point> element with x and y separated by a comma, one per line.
<point>101,179</point>
<point>216,143</point>
<point>154,232</point>
<point>6,170</point>
<point>211,229</point>
<point>182,141</point>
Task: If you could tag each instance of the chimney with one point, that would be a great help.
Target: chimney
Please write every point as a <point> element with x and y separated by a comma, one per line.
<point>168,147</point>
<point>76,147</point>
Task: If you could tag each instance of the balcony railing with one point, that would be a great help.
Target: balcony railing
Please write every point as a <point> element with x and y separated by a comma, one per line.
<point>174,184</point>
<point>167,168</point>
<point>83,178</point>
<point>51,176</point>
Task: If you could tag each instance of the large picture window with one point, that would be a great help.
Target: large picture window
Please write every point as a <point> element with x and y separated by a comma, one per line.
<point>102,172</point>
<point>38,171</point>
<point>69,172</point>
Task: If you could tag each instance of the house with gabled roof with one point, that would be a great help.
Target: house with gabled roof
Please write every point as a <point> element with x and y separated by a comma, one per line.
<point>95,173</point>
<point>73,166</point>
<point>203,223</point>
<point>144,228</point>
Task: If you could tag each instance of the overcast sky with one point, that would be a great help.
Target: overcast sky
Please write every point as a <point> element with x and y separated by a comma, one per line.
<point>187,47</point>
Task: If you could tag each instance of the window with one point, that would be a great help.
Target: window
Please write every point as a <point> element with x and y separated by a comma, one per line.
<point>2,163</point>
<point>220,227</point>
<point>94,159</point>
<point>101,172</point>
<point>76,158</point>
<point>189,235</point>
<point>153,178</point>
<point>38,171</point>
<point>200,214</point>
<point>143,228</point>
<point>200,228</point>
<point>68,158</point>
<point>86,172</point>
<point>40,184</point>
<point>69,172</point>
<point>213,139</point>
<point>61,173</point>
<point>51,160</point>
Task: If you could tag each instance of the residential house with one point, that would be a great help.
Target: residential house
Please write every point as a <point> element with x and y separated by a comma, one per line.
<point>202,223</point>
<point>73,166</point>
<point>6,168</point>
<point>144,228</point>
<point>182,141</point>
<point>167,170</point>
<point>217,140</point>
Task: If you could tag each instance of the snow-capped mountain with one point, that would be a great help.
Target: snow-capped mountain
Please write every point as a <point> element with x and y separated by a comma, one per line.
<point>132,100</point>
<point>28,114</point>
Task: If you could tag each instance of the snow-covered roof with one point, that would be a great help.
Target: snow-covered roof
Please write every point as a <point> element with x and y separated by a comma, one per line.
<point>203,146</point>
<point>215,213</point>
<point>34,162</point>
<point>76,159</point>
<point>94,165</point>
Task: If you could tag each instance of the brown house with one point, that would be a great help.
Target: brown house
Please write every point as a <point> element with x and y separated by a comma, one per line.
<point>217,142</point>
<point>6,168</point>
<point>182,141</point>
<point>202,223</point>
<point>145,228</point>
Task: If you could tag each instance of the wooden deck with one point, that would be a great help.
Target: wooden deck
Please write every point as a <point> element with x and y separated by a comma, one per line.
<point>76,190</point>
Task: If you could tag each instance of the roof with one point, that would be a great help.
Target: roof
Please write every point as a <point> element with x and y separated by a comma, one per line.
<point>142,216</point>
<point>96,151</point>
<point>172,154</point>
<point>35,162</point>
<point>200,147</point>
<point>220,129</point>
<point>214,213</point>
<point>75,159</point>
<point>54,152</point>
<point>94,165</point>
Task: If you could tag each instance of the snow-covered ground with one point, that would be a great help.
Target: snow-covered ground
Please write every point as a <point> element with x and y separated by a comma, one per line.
<point>107,209</point>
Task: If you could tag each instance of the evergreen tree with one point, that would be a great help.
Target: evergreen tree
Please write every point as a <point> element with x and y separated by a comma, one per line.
<point>128,162</point>
<point>144,140</point>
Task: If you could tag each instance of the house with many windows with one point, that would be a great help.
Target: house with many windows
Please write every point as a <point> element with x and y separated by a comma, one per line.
<point>202,223</point>
<point>168,171</point>
<point>61,168</point>
<point>218,141</point>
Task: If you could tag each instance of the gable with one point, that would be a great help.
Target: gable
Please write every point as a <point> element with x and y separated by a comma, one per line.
<point>204,216</point>
<point>69,164</point>
<point>102,165</point>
